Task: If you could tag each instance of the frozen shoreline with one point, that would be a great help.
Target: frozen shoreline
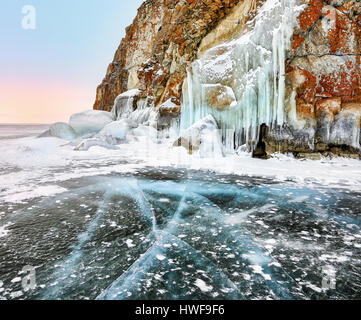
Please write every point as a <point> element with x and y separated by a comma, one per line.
<point>34,167</point>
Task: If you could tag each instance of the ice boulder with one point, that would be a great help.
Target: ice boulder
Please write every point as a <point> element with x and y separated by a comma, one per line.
<point>63,131</point>
<point>203,136</point>
<point>60,130</point>
<point>90,121</point>
<point>118,129</point>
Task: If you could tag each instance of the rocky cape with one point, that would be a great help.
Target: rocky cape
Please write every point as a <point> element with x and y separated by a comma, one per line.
<point>322,94</point>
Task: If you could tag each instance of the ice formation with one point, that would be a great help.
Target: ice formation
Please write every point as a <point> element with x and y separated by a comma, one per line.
<point>90,121</point>
<point>107,142</point>
<point>60,130</point>
<point>203,136</point>
<point>123,104</point>
<point>253,68</point>
<point>117,129</point>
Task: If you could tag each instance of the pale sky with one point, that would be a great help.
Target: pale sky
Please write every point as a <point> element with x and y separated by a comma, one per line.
<point>51,72</point>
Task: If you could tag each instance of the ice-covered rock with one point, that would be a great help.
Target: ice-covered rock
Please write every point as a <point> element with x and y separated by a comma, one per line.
<point>219,96</point>
<point>169,108</point>
<point>90,121</point>
<point>124,104</point>
<point>203,136</point>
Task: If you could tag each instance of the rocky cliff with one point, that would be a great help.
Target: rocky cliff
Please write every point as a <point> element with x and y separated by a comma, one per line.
<point>158,47</point>
<point>291,68</point>
<point>323,78</point>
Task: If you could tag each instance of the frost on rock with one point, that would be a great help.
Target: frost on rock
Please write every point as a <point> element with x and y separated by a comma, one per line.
<point>219,96</point>
<point>90,121</point>
<point>253,68</point>
<point>345,130</point>
<point>203,136</point>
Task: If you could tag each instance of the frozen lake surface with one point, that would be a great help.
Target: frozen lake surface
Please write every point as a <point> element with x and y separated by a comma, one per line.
<point>116,224</point>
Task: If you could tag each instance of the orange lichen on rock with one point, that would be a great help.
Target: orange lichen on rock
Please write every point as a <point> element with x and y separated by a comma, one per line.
<point>311,14</point>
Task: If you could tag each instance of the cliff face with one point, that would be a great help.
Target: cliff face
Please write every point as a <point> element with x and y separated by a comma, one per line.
<point>323,78</point>
<point>160,44</point>
<point>316,72</point>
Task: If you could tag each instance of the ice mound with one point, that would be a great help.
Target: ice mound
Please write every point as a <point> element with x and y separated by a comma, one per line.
<point>60,130</point>
<point>90,121</point>
<point>203,136</point>
<point>144,131</point>
<point>118,129</point>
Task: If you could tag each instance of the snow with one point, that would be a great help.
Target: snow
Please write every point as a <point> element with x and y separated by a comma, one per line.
<point>259,270</point>
<point>4,231</point>
<point>130,243</point>
<point>90,121</point>
<point>107,142</point>
<point>26,193</point>
<point>38,158</point>
<point>32,152</point>
<point>203,286</point>
<point>15,280</point>
<point>169,104</point>
<point>160,257</point>
<point>129,93</point>
<point>143,131</point>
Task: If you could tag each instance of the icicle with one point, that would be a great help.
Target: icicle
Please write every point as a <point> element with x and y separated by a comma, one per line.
<point>254,67</point>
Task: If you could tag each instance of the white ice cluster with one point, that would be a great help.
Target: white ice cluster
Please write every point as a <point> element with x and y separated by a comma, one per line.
<point>95,128</point>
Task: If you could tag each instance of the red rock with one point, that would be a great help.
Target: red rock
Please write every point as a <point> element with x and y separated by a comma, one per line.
<point>163,32</point>
<point>311,14</point>
<point>329,106</point>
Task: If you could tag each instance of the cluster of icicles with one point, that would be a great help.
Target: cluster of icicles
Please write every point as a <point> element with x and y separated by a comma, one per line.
<point>253,66</point>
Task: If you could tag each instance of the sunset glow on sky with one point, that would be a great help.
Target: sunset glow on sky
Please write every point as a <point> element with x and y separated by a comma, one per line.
<point>51,72</point>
